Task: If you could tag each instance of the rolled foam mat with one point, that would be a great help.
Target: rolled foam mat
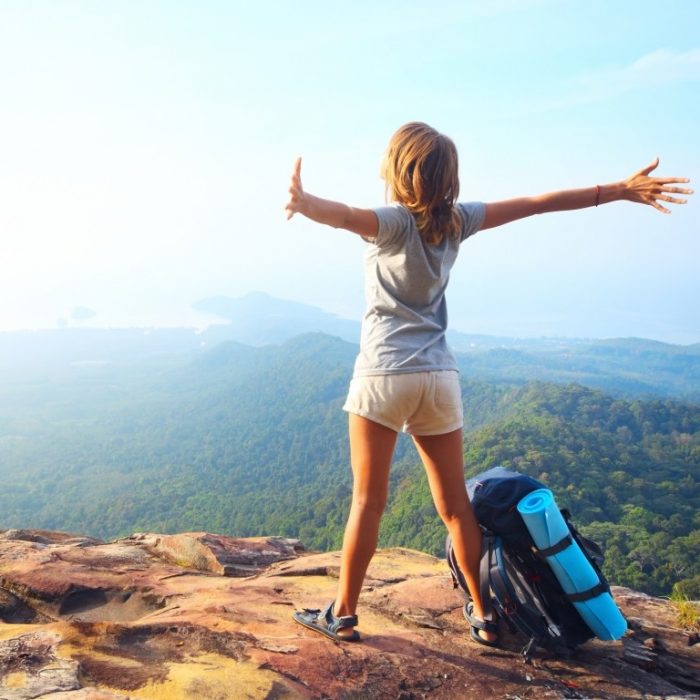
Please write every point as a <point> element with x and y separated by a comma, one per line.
<point>571,567</point>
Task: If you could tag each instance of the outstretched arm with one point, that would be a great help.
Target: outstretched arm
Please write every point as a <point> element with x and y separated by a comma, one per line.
<point>324,211</point>
<point>640,188</point>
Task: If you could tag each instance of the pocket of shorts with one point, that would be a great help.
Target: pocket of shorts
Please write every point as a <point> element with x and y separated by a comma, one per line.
<point>448,391</point>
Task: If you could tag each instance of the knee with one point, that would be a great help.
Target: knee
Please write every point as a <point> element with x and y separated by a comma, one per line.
<point>452,512</point>
<point>370,504</point>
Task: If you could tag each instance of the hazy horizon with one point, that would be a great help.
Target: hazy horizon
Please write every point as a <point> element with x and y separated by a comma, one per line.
<point>146,152</point>
<point>198,320</point>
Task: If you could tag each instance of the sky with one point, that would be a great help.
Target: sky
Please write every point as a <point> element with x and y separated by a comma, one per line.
<point>146,148</point>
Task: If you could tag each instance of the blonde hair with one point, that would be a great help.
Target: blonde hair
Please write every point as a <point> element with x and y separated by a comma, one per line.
<point>420,169</point>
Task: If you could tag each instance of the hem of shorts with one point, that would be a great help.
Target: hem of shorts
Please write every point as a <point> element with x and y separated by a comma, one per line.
<point>368,416</point>
<point>382,371</point>
<point>441,431</point>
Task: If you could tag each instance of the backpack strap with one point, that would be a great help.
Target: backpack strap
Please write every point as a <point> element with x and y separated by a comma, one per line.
<point>557,547</point>
<point>458,580</point>
<point>590,548</point>
<point>485,564</point>
<point>594,592</point>
<point>485,574</point>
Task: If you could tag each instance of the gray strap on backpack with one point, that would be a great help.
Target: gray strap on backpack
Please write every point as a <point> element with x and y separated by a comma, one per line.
<point>485,574</point>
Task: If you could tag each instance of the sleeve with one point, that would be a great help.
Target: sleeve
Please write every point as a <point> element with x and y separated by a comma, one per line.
<point>472,217</point>
<point>393,223</point>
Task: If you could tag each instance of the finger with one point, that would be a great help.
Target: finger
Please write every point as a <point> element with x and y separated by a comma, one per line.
<point>652,166</point>
<point>677,190</point>
<point>668,180</point>
<point>663,210</point>
<point>297,167</point>
<point>675,200</point>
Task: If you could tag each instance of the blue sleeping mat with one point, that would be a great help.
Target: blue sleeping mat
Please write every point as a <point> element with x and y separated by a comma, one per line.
<point>570,565</point>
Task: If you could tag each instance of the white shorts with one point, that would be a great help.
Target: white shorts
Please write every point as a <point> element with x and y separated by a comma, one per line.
<point>419,403</point>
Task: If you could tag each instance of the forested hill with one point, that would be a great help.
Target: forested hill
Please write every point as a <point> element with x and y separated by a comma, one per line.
<point>249,441</point>
<point>630,367</point>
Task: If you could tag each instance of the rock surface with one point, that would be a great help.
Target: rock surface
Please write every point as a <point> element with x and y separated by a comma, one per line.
<point>205,616</point>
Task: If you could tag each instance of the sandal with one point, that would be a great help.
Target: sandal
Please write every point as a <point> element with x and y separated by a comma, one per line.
<point>476,624</point>
<point>325,622</point>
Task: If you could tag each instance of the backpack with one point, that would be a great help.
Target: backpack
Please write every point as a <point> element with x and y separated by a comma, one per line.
<point>516,582</point>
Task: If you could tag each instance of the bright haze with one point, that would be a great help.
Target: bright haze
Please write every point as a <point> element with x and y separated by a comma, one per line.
<point>145,151</point>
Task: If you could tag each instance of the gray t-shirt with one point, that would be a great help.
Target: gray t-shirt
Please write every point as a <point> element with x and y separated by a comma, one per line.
<point>403,329</point>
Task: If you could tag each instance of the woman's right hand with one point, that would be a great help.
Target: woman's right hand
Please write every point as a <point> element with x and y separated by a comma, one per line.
<point>297,197</point>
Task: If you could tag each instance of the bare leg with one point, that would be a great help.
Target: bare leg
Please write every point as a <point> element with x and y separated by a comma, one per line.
<point>443,458</point>
<point>371,450</point>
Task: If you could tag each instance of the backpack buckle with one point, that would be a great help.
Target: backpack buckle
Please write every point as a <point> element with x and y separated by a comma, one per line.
<point>509,607</point>
<point>528,649</point>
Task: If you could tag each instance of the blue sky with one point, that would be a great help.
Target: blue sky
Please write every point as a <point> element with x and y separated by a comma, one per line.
<point>146,148</point>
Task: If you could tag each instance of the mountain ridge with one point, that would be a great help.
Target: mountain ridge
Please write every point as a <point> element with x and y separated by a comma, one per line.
<point>626,366</point>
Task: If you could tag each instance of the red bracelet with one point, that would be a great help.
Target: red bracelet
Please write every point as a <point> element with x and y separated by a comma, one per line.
<point>597,195</point>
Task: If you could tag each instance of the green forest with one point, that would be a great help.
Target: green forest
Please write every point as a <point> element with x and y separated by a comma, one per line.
<point>252,441</point>
<point>627,470</point>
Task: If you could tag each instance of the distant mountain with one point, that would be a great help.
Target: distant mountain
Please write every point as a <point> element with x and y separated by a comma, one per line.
<point>256,319</point>
<point>259,319</point>
<point>627,367</point>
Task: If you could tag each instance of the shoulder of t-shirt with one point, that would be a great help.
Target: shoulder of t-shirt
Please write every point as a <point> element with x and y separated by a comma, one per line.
<point>472,214</point>
<point>394,221</point>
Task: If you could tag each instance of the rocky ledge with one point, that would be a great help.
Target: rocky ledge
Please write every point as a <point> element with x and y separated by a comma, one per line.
<point>202,616</point>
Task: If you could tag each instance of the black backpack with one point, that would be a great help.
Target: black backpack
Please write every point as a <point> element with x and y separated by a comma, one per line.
<point>516,581</point>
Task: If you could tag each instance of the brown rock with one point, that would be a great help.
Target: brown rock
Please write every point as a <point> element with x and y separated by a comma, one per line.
<point>47,537</point>
<point>226,556</point>
<point>160,617</point>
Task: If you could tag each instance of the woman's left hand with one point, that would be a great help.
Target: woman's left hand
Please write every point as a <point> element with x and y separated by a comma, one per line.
<point>644,189</point>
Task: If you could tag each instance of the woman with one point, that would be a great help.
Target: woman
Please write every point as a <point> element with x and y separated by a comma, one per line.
<point>405,377</point>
